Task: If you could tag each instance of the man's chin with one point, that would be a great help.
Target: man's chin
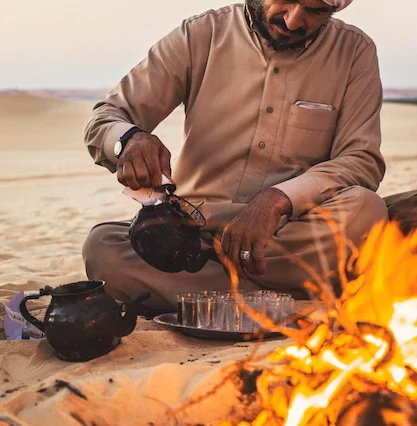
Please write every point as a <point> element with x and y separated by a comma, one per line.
<point>282,43</point>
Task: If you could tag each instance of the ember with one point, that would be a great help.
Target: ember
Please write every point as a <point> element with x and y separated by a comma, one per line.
<point>359,365</point>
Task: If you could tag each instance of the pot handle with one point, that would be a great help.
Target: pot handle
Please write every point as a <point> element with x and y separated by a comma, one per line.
<point>24,310</point>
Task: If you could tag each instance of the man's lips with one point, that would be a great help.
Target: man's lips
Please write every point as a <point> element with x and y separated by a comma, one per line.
<point>285,33</point>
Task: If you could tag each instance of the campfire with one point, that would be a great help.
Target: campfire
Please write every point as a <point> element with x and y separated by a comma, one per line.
<point>358,366</point>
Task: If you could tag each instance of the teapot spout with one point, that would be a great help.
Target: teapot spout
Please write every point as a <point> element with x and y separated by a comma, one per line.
<point>127,322</point>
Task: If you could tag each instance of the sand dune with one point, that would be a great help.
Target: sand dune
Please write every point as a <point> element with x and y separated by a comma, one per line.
<point>52,195</point>
<point>35,123</point>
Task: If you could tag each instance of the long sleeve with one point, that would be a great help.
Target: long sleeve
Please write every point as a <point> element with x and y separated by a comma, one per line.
<point>143,98</point>
<point>355,157</point>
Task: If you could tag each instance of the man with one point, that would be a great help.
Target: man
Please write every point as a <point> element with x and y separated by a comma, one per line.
<point>282,129</point>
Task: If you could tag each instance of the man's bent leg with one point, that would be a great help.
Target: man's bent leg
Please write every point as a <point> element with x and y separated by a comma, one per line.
<point>310,239</point>
<point>108,256</point>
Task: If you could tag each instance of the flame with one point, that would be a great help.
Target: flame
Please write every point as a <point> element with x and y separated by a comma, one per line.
<point>366,345</point>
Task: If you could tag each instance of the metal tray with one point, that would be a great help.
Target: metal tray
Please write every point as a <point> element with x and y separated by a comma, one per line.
<point>171,321</point>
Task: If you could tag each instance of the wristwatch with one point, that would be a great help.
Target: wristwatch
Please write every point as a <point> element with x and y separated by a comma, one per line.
<point>124,139</point>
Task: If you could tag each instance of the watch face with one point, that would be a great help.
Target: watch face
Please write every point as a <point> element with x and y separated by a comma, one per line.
<point>118,148</point>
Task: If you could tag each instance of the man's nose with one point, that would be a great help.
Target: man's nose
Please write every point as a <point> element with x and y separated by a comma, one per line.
<point>294,17</point>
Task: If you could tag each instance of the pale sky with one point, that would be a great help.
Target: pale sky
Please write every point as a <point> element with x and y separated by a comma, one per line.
<point>93,43</point>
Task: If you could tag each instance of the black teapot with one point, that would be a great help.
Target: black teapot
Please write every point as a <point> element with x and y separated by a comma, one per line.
<point>82,321</point>
<point>167,235</point>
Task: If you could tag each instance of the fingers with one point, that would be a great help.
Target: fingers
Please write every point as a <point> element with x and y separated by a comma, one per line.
<point>234,241</point>
<point>244,254</point>
<point>226,240</point>
<point>165,161</point>
<point>237,241</point>
<point>141,171</point>
<point>120,175</point>
<point>234,252</point>
<point>151,169</point>
<point>143,162</point>
<point>126,175</point>
<point>244,239</point>
<point>227,246</point>
<point>258,265</point>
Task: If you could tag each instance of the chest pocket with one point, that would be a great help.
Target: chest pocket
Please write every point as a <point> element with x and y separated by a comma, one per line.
<point>308,136</point>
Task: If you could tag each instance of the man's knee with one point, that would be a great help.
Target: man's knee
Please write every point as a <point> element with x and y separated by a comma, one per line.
<point>91,246</point>
<point>366,210</point>
<point>98,252</point>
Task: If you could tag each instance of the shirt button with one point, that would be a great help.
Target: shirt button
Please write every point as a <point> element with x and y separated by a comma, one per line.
<point>261,145</point>
<point>276,70</point>
<point>270,110</point>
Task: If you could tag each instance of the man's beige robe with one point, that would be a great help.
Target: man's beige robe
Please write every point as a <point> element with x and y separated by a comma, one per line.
<point>243,131</point>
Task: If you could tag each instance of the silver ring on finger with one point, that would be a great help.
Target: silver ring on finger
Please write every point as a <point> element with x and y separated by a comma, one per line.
<point>245,254</point>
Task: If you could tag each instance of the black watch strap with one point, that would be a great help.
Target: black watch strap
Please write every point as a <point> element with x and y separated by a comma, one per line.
<point>124,139</point>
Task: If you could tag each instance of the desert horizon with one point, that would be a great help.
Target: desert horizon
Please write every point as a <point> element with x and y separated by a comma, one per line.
<point>391,94</point>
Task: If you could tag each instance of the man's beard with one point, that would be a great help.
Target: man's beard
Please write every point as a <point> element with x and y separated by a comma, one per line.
<point>282,42</point>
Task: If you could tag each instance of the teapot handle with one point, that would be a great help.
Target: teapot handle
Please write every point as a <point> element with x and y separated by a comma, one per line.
<point>24,310</point>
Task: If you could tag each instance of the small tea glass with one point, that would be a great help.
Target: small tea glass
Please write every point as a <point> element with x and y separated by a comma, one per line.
<point>213,310</point>
<point>187,309</point>
<point>210,310</point>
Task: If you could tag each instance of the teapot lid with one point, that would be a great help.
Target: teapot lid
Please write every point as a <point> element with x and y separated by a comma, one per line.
<point>187,209</point>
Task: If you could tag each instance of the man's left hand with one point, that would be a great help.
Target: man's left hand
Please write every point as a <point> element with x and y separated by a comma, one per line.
<point>251,230</point>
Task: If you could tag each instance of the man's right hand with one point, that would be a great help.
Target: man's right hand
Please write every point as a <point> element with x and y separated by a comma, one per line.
<point>143,162</point>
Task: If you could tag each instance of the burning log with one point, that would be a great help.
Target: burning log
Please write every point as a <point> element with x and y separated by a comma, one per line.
<point>379,409</point>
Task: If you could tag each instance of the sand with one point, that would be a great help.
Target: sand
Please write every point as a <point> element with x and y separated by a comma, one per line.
<point>52,195</point>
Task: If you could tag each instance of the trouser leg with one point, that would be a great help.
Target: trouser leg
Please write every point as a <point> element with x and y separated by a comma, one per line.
<point>403,209</point>
<point>310,239</point>
<point>108,256</point>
